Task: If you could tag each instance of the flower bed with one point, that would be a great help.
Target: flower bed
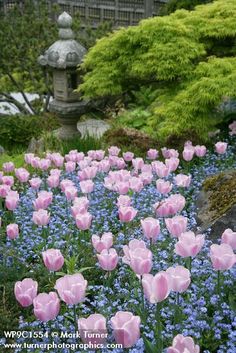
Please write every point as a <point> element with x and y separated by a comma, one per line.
<point>151,277</point>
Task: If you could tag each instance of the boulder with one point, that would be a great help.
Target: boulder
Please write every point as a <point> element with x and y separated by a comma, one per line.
<point>216,204</point>
<point>92,127</point>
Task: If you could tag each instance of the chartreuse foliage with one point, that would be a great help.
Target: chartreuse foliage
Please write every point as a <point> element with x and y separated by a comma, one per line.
<point>186,58</point>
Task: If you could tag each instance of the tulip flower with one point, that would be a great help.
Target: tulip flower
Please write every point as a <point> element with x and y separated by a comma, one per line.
<point>127,214</point>
<point>222,257</point>
<point>188,153</point>
<point>35,183</point>
<point>151,228</point>
<point>12,231</point>
<point>127,249</point>
<point>128,156</point>
<point>71,288</point>
<point>108,259</point>
<point>229,237</point>
<point>93,330</point>
<point>135,184</point>
<point>4,190</point>
<point>22,175</point>
<point>53,259</point>
<point>43,200</point>
<point>126,328</point>
<point>163,186</point>
<point>141,261</point>
<point>8,180</point>
<point>86,186</point>
<point>152,153</point>
<point>12,200</point>
<point>8,167</point>
<point>25,291</point>
<point>200,151</point>
<point>182,180</point>
<point>189,245</point>
<point>172,163</point>
<point>179,278</point>
<point>114,151</point>
<point>182,344</point>
<point>156,288</point>
<point>105,242</point>
<point>53,181</point>
<point>123,200</point>
<point>221,147</point>
<point>71,192</point>
<point>46,306</point>
<point>83,220</point>
<point>41,217</point>
<point>176,225</point>
<point>70,166</point>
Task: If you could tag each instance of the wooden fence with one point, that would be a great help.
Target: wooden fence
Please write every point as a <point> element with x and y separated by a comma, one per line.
<point>93,12</point>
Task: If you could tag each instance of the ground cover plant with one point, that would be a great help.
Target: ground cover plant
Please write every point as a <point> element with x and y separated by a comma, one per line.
<point>108,243</point>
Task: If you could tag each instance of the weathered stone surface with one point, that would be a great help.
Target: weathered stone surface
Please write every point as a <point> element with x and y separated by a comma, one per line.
<point>216,203</point>
<point>1,150</point>
<point>36,146</point>
<point>92,127</point>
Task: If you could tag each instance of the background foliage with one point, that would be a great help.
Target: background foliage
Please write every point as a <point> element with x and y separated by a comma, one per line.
<point>184,62</point>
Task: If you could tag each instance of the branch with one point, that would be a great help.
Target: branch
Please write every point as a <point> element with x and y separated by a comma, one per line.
<point>22,93</point>
<point>9,99</point>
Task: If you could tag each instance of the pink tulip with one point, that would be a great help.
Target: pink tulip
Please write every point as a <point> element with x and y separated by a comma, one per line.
<point>127,249</point>
<point>35,183</point>
<point>53,181</point>
<point>22,175</point>
<point>41,217</point>
<point>46,306</point>
<point>163,186</point>
<point>123,200</point>
<point>160,169</point>
<point>8,167</point>
<point>151,228</point>
<point>56,172</point>
<point>229,237</point>
<point>114,150</point>
<point>122,187</point>
<point>221,147</point>
<point>12,231</point>
<point>43,200</point>
<point>222,257</point>
<point>179,278</point>
<point>170,206</point>
<point>25,291</point>
<point>4,190</point>
<point>44,164</point>
<point>189,244</point>
<point>57,160</point>
<point>53,259</point>
<point>176,225</point>
<point>146,178</point>
<point>137,163</point>
<point>71,288</point>
<point>168,153</point>
<point>156,288</point>
<point>152,153</point>
<point>141,261</point>
<point>86,186</point>
<point>188,153</point>
<point>70,166</point>
<point>126,328</point>
<point>135,184</point>
<point>128,156</point>
<point>127,214</point>
<point>200,151</point>
<point>12,200</point>
<point>105,242</point>
<point>108,259</point>
<point>183,344</point>
<point>87,173</point>
<point>172,163</point>
<point>71,192</point>
<point>65,183</point>
<point>182,180</point>
<point>83,220</point>
<point>8,180</point>
<point>93,330</point>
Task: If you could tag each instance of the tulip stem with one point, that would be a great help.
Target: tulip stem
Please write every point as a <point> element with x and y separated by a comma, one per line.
<point>75,317</point>
<point>158,330</point>
<point>218,282</point>
<point>142,295</point>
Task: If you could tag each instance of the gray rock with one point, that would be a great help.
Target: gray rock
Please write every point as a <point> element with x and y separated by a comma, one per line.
<point>219,214</point>
<point>93,127</point>
<point>2,150</point>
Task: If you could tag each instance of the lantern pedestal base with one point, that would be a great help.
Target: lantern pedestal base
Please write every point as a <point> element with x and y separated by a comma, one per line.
<point>68,114</point>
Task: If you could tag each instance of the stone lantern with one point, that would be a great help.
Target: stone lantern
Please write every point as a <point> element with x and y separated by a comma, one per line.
<point>63,57</point>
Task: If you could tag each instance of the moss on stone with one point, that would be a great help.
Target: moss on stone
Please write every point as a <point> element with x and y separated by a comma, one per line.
<point>222,192</point>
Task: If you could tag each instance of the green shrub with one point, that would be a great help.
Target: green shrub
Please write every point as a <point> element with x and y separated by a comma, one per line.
<point>17,130</point>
